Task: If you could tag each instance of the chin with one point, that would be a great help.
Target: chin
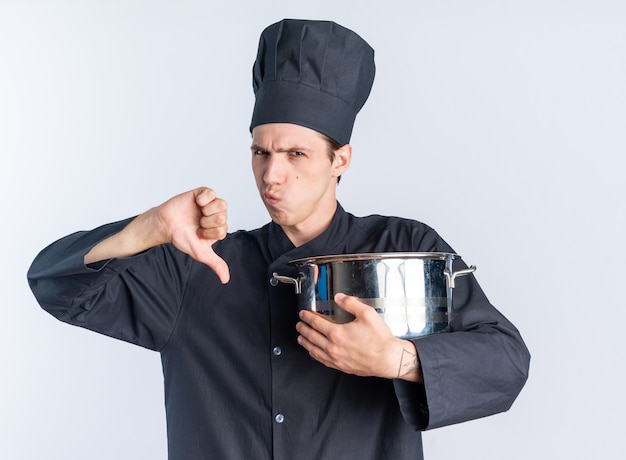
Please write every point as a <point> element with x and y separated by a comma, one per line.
<point>277,217</point>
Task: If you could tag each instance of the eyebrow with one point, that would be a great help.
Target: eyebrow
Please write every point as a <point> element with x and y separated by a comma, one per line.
<point>255,147</point>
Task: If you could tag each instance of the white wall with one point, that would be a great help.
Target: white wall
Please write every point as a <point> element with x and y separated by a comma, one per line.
<point>499,123</point>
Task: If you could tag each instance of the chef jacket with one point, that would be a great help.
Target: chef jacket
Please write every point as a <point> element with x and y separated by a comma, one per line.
<point>237,385</point>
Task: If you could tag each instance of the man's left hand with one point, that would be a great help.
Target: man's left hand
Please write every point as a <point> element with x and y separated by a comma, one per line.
<point>364,346</point>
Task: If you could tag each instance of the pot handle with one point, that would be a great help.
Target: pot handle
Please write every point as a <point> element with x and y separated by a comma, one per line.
<point>297,282</point>
<point>451,276</point>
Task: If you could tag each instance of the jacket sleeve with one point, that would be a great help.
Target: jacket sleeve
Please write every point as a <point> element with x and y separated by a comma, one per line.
<point>135,299</point>
<point>475,370</point>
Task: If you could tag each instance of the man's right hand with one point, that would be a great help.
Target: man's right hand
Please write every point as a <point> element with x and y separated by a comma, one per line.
<point>192,221</point>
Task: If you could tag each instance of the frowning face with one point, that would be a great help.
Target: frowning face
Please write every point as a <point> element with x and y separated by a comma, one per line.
<point>296,178</point>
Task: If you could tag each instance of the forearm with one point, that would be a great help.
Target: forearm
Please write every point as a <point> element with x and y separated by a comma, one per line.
<point>137,305</point>
<point>471,374</point>
<point>142,233</point>
<point>59,274</point>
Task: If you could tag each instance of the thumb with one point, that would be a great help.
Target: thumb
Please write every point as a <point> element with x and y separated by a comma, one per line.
<point>220,267</point>
<point>351,304</point>
<point>207,256</point>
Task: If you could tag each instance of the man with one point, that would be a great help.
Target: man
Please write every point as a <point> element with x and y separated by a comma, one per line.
<point>246,374</point>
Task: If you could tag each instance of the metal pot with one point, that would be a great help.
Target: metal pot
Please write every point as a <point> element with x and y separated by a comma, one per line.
<point>412,291</point>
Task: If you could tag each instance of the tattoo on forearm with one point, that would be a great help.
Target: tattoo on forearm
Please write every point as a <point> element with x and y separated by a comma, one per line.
<point>408,363</point>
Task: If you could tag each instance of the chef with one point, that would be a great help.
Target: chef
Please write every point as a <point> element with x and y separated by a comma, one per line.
<point>245,374</point>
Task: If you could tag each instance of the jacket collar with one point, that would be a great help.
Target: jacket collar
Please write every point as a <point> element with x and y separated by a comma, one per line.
<point>330,241</point>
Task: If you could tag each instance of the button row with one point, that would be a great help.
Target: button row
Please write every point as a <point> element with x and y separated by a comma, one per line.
<point>277,351</point>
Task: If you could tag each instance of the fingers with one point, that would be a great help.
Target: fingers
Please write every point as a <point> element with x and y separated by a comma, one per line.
<point>360,347</point>
<point>204,195</point>
<point>312,340</point>
<point>314,327</point>
<point>324,327</point>
<point>213,225</point>
<point>213,222</point>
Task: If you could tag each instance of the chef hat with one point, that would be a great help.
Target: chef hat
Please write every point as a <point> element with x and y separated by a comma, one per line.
<point>316,74</point>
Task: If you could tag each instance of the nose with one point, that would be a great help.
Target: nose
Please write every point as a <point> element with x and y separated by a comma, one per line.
<point>274,170</point>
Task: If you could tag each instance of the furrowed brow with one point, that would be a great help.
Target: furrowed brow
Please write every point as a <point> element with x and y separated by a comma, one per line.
<point>256,147</point>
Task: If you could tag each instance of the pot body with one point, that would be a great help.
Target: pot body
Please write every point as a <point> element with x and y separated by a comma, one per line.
<point>412,292</point>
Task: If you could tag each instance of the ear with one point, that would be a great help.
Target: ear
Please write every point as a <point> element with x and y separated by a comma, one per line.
<point>343,156</point>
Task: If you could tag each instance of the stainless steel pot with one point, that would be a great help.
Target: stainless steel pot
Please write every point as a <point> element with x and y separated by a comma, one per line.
<point>412,291</point>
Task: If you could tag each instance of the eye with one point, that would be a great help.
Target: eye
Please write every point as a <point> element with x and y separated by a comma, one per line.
<point>296,154</point>
<point>259,153</point>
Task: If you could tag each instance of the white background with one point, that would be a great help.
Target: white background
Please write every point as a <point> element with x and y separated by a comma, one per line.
<point>500,123</point>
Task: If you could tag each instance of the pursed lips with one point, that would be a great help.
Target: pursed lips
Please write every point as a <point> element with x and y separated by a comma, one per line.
<point>270,198</point>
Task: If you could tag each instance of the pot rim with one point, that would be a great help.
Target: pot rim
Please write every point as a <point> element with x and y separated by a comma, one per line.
<point>374,256</point>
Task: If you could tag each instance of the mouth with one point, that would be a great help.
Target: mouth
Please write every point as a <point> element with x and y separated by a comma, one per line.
<point>270,199</point>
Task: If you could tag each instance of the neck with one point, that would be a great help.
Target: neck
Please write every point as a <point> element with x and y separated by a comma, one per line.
<point>306,231</point>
